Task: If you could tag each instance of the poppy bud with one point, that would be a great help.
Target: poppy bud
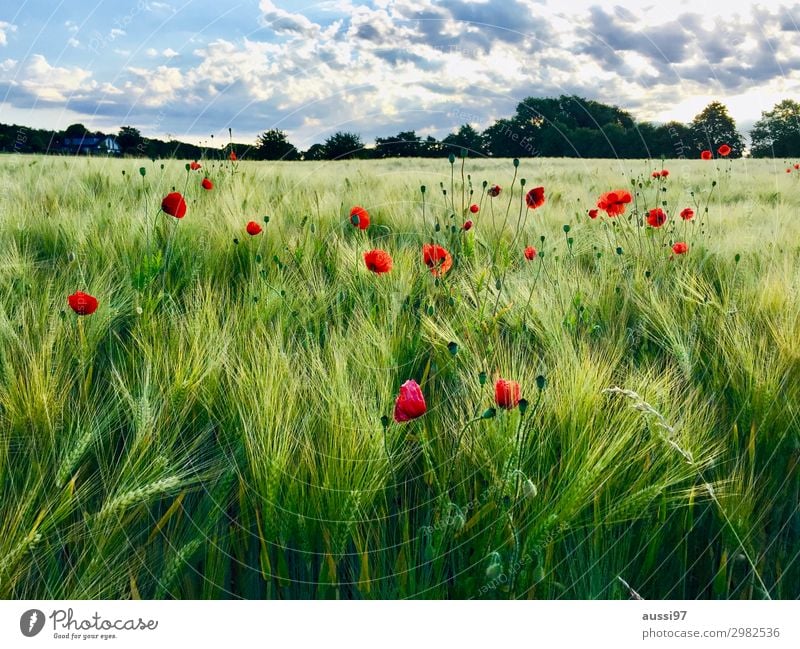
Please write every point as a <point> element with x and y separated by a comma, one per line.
<point>410,403</point>
<point>451,158</point>
<point>452,347</point>
<point>523,405</point>
<point>516,162</point>
<point>541,382</point>
<point>467,225</point>
<point>488,413</point>
<point>495,567</point>
<point>142,171</point>
<point>474,208</point>
<point>482,378</point>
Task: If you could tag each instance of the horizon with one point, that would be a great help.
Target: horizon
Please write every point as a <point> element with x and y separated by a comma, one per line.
<point>377,68</point>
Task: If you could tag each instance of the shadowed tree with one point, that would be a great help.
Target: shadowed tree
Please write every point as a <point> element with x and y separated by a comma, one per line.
<point>406,144</point>
<point>712,127</point>
<point>274,145</point>
<point>129,138</point>
<point>777,133</point>
<point>343,145</point>
<point>465,138</point>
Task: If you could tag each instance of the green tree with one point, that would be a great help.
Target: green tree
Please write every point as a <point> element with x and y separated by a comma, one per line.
<point>405,144</point>
<point>343,145</point>
<point>712,127</point>
<point>507,138</point>
<point>76,130</point>
<point>465,138</point>
<point>274,145</point>
<point>129,139</point>
<point>777,133</point>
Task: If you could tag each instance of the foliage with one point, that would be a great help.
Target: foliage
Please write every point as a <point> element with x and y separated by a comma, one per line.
<point>777,133</point>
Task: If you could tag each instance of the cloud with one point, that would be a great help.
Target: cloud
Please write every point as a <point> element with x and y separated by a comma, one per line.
<point>152,52</point>
<point>5,28</point>
<point>399,64</point>
<point>46,83</point>
<point>285,22</point>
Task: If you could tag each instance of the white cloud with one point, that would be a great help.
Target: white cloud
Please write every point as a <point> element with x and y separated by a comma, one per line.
<point>52,84</point>
<point>285,22</point>
<point>5,28</point>
<point>152,52</point>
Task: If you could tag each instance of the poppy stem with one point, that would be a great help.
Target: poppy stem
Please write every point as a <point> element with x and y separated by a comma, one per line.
<point>389,456</point>
<point>454,453</point>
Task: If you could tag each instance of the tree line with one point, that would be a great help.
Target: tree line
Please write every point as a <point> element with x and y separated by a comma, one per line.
<point>565,126</point>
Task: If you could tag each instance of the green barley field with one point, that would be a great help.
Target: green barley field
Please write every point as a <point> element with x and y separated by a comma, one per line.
<point>222,426</point>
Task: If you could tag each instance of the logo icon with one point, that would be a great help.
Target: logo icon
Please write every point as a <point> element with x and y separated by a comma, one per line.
<point>31,622</point>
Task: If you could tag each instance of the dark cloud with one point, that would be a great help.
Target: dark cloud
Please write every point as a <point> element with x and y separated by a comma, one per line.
<point>614,32</point>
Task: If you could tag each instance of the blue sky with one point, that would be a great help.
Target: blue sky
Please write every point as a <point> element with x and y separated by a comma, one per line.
<point>192,68</point>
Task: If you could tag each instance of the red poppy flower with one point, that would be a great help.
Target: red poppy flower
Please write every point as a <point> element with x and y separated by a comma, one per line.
<point>359,217</point>
<point>378,261</point>
<point>494,191</point>
<point>788,170</point>
<point>530,253</point>
<point>467,225</point>
<point>724,150</point>
<point>506,393</point>
<point>613,203</point>
<point>82,303</point>
<point>253,228</point>
<point>437,259</point>
<point>410,403</point>
<point>474,208</point>
<point>174,205</point>
<point>687,213</point>
<point>232,156</point>
<point>592,214</point>
<point>680,248</point>
<point>656,217</point>
<point>797,166</point>
<point>194,166</point>
<point>656,174</point>
<point>706,155</point>
<point>535,198</point>
<point>207,184</point>
<point>664,173</point>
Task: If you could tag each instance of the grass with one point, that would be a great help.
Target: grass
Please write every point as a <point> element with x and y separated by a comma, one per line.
<point>214,429</point>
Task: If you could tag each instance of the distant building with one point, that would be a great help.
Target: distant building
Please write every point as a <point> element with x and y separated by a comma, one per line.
<point>91,145</point>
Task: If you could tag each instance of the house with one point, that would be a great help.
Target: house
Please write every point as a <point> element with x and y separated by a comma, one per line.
<point>91,145</point>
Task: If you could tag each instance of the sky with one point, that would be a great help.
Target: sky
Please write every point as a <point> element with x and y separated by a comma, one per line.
<point>191,68</point>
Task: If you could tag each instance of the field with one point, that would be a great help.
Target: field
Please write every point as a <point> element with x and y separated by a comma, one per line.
<point>222,426</point>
